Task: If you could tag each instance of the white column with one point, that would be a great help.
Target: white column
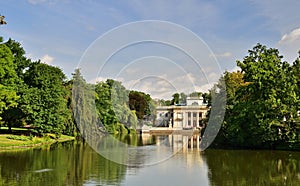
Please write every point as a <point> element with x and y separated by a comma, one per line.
<point>197,120</point>
<point>198,142</point>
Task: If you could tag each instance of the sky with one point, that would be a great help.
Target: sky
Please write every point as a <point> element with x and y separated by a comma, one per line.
<point>159,47</point>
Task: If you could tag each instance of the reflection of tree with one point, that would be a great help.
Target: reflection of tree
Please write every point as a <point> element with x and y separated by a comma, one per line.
<point>253,167</point>
<point>69,164</point>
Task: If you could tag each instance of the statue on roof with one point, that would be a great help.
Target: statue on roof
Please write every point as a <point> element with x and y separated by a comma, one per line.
<point>2,22</point>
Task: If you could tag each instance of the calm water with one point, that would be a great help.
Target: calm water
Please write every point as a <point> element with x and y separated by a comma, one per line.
<point>75,163</point>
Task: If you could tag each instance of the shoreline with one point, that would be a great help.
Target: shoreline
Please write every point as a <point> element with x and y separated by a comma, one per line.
<point>7,144</point>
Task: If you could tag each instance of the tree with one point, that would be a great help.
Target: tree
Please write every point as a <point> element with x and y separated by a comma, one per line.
<point>111,103</point>
<point>263,106</point>
<point>83,101</point>
<point>45,102</point>
<point>195,94</point>
<point>175,99</point>
<point>182,99</point>
<point>69,120</point>
<point>15,116</point>
<point>142,103</point>
<point>21,63</point>
<point>206,98</point>
<point>8,74</point>
<point>104,106</point>
<point>8,79</point>
<point>296,75</point>
<point>138,103</point>
<point>233,82</point>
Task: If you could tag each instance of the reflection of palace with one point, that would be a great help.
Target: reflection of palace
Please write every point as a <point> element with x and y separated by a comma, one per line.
<point>177,141</point>
<point>182,116</point>
<point>183,144</point>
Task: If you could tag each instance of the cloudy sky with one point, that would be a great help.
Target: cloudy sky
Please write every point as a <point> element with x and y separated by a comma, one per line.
<point>185,47</point>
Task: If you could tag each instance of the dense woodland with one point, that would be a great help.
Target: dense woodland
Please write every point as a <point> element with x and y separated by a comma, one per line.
<point>262,106</point>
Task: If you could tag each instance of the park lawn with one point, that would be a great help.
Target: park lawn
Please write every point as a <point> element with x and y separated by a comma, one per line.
<point>8,141</point>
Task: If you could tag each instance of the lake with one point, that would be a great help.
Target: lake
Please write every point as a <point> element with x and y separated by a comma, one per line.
<point>76,163</point>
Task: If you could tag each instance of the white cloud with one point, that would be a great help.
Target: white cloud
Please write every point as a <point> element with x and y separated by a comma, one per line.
<point>49,2</point>
<point>186,79</point>
<point>34,2</point>
<point>235,69</point>
<point>97,79</point>
<point>204,88</point>
<point>289,45</point>
<point>290,37</point>
<point>225,54</point>
<point>47,59</point>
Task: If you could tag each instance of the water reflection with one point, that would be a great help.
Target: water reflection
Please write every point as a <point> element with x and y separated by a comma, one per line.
<point>68,164</point>
<point>142,150</point>
<point>241,167</point>
<point>75,163</point>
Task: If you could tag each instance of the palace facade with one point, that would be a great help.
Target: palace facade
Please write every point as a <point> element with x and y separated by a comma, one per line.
<point>182,116</point>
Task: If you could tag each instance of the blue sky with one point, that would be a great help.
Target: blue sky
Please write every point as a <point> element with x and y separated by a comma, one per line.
<point>60,31</point>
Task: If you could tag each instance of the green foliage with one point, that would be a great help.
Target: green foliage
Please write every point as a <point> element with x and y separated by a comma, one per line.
<point>45,105</point>
<point>111,103</point>
<point>19,59</point>
<point>141,103</point>
<point>206,98</point>
<point>175,99</point>
<point>182,99</point>
<point>162,102</point>
<point>262,101</point>
<point>14,116</point>
<point>69,122</point>
<point>83,97</point>
<point>8,79</point>
<point>8,98</point>
<point>195,94</point>
<point>8,75</point>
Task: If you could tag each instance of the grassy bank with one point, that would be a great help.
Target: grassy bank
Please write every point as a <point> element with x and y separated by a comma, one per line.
<point>12,141</point>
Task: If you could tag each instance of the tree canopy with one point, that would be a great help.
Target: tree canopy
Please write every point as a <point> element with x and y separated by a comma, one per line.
<point>262,101</point>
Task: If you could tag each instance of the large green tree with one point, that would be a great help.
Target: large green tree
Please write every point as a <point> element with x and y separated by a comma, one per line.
<point>14,116</point>
<point>45,102</point>
<point>8,80</point>
<point>262,106</point>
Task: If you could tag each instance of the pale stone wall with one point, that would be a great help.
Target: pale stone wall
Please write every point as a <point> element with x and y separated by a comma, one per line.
<point>182,116</point>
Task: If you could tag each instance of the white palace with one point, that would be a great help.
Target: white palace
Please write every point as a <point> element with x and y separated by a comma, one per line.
<point>188,116</point>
